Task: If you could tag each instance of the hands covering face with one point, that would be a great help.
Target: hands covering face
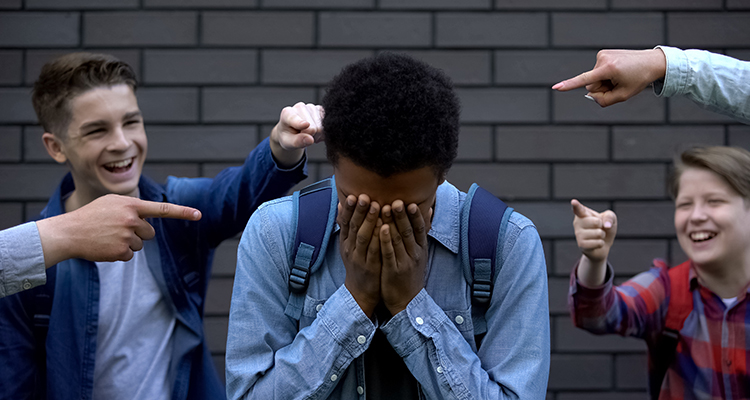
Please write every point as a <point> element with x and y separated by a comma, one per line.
<point>384,250</point>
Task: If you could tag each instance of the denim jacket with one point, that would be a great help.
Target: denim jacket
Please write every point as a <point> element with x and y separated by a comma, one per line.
<point>180,256</point>
<point>715,82</point>
<point>272,356</point>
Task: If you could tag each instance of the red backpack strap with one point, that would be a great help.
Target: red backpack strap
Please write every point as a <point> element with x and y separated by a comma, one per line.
<point>680,298</point>
<point>680,305</point>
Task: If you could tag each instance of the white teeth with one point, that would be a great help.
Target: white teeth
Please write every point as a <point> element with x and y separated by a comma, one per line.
<point>699,236</point>
<point>119,164</point>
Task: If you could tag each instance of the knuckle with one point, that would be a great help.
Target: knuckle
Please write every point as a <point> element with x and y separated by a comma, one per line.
<point>164,208</point>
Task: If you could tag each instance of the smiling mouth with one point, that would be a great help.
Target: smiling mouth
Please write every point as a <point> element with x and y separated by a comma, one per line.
<point>119,166</point>
<point>702,236</point>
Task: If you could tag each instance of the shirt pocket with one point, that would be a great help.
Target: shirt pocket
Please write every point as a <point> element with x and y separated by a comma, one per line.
<point>461,319</point>
<point>310,310</point>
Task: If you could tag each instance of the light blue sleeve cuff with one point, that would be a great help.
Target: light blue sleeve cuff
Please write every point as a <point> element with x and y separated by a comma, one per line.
<point>676,77</point>
<point>21,259</point>
<point>347,323</point>
<point>409,329</point>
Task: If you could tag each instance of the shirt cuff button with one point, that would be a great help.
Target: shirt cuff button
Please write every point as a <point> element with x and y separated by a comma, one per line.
<point>419,320</point>
<point>361,339</point>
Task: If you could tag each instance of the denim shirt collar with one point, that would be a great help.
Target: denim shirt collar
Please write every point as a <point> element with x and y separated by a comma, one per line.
<point>447,217</point>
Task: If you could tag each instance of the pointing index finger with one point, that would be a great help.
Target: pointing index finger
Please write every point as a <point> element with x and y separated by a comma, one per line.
<point>582,211</point>
<point>586,78</point>
<point>151,209</point>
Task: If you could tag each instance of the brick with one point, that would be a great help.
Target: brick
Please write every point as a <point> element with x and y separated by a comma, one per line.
<point>436,4</point>
<point>15,106</point>
<point>386,29</point>
<point>34,209</point>
<point>35,60</point>
<point>325,171</point>
<point>661,143</point>
<point>491,30</point>
<point>602,395</point>
<point>316,4</point>
<point>250,104</point>
<point>739,136</point>
<point>475,143</point>
<point>551,4</point>
<point>631,371</point>
<point>547,249</point>
<point>551,143</point>
<point>629,257</point>
<point>201,143</point>
<point>258,28</point>
<point>507,181</point>
<point>218,296</point>
<point>33,148</point>
<point>740,54</point>
<point>702,30</point>
<point>10,143</point>
<point>572,107</point>
<point>486,105</point>
<point>738,4</point>
<point>668,4</point>
<point>38,29</point>
<point>80,4</point>
<point>464,67</point>
<point>11,62</point>
<point>609,181</point>
<point>225,258</point>
<point>645,218</point>
<point>216,333</point>
<point>140,28</point>
<point>312,170</point>
<point>160,172</point>
<point>11,214</point>
<point>29,182</point>
<point>676,255</point>
<point>10,4</point>
<point>168,104</point>
<point>580,372</point>
<point>603,30</point>
<point>317,153</point>
<point>683,110</point>
<point>552,219</point>
<point>558,295</point>
<point>200,3</point>
<point>219,361</point>
<point>305,66</point>
<point>200,66</point>
<point>569,338</point>
<point>544,67</point>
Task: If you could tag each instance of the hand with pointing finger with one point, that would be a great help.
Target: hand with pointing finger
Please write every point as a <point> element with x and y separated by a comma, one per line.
<point>298,127</point>
<point>109,228</point>
<point>618,75</point>
<point>595,232</point>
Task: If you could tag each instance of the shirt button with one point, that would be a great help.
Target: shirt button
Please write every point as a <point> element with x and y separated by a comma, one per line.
<point>419,320</point>
<point>318,307</point>
<point>334,377</point>
<point>360,390</point>
<point>459,319</point>
<point>439,370</point>
<point>26,284</point>
<point>361,339</point>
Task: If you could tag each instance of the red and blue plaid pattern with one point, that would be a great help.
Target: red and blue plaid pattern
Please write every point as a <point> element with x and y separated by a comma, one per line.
<point>713,354</point>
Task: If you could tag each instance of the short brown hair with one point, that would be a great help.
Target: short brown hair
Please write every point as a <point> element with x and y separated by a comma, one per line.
<point>66,77</point>
<point>730,163</point>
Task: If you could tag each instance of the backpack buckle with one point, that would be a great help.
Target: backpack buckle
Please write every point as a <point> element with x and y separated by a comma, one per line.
<point>481,291</point>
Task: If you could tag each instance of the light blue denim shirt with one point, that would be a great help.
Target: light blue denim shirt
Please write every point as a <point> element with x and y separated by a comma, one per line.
<point>21,259</point>
<point>271,356</point>
<point>713,81</point>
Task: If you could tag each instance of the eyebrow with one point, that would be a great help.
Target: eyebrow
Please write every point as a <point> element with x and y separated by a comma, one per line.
<point>132,114</point>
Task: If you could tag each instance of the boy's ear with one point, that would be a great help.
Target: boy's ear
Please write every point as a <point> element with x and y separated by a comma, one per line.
<point>54,147</point>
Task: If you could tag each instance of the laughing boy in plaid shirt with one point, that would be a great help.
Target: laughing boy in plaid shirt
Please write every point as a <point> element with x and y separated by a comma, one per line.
<point>711,188</point>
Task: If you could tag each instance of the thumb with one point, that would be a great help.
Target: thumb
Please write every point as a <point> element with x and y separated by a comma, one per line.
<point>609,219</point>
<point>582,211</point>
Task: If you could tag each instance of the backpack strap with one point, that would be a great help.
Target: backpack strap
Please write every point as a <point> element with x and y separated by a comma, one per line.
<point>679,307</point>
<point>484,218</point>
<point>313,229</point>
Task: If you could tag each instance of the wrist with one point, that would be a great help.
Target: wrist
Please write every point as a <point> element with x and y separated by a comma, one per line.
<point>284,158</point>
<point>55,240</point>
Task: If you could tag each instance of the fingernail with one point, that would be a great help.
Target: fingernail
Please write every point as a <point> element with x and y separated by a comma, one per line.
<point>196,214</point>
<point>412,210</point>
<point>349,201</point>
<point>607,224</point>
<point>362,202</point>
<point>399,208</point>
<point>590,98</point>
<point>372,210</point>
<point>557,85</point>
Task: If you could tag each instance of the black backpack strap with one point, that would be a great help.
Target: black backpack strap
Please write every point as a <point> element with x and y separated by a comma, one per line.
<point>484,218</point>
<point>315,209</point>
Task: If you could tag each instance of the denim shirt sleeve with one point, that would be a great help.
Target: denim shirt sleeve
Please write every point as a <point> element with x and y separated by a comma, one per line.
<point>513,361</point>
<point>267,356</point>
<point>715,82</point>
<point>21,259</point>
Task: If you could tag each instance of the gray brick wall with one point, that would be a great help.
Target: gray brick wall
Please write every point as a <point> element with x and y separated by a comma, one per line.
<point>216,73</point>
